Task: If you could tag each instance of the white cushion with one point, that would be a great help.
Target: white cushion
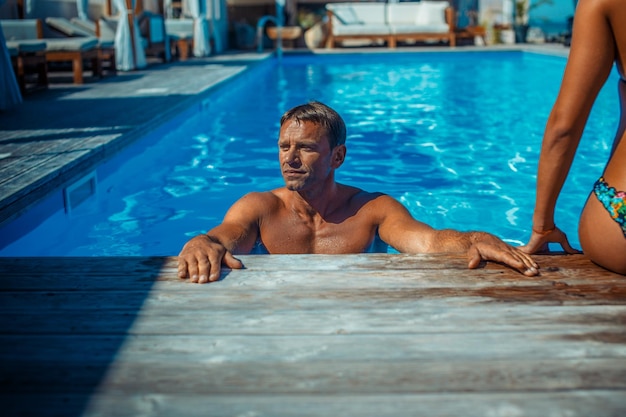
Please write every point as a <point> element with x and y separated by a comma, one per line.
<point>431,13</point>
<point>107,27</point>
<point>19,29</point>
<point>344,14</point>
<point>402,13</point>
<point>371,13</point>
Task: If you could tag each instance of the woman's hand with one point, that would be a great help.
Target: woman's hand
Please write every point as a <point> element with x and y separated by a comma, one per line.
<point>538,242</point>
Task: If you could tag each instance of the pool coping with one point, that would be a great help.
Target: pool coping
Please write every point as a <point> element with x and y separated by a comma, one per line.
<point>36,163</point>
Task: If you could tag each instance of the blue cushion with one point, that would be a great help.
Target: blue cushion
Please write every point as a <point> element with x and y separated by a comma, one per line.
<point>71,44</point>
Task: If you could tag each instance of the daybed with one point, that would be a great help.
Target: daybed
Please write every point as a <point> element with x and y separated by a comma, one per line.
<point>154,35</point>
<point>29,57</point>
<point>86,28</point>
<point>151,28</point>
<point>391,22</point>
<point>70,49</point>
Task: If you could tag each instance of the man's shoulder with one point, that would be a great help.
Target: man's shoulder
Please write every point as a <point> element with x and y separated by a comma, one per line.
<point>357,194</point>
<point>263,196</point>
<point>377,201</point>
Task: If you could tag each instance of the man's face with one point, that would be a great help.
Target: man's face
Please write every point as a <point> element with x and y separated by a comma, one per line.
<point>304,154</point>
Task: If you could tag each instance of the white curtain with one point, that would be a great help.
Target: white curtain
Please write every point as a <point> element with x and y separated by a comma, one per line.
<point>214,13</point>
<point>29,8</point>
<point>10,95</point>
<point>201,44</point>
<point>167,9</point>
<point>82,6</point>
<point>129,55</point>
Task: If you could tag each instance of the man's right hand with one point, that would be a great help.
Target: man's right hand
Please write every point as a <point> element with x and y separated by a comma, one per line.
<point>201,260</point>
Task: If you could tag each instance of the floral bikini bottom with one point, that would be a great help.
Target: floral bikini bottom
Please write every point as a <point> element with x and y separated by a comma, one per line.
<point>613,201</point>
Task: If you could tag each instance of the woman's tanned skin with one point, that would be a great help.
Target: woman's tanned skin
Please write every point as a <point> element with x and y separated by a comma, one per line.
<point>598,41</point>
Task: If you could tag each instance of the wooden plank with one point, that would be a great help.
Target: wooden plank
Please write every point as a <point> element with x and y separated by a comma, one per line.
<point>575,275</point>
<point>552,265</point>
<point>597,403</point>
<point>102,336</point>
<point>342,376</point>
<point>259,314</point>
<point>318,348</point>
<point>575,281</point>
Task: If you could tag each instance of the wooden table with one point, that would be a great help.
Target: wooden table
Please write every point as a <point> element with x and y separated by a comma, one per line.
<point>288,35</point>
<point>311,335</point>
<point>471,32</point>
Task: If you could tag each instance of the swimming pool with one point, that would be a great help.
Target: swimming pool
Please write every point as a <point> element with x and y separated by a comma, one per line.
<point>454,136</point>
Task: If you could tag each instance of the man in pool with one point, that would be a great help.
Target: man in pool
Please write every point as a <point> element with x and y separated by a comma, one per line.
<point>314,214</point>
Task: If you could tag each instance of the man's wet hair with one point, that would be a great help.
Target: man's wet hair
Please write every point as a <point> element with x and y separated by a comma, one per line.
<point>320,114</point>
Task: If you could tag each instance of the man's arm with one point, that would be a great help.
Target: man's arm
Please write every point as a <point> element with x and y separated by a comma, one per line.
<point>400,230</point>
<point>202,257</point>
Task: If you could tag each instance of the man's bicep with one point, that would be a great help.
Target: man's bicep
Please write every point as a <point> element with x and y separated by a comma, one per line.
<point>239,229</point>
<point>400,230</point>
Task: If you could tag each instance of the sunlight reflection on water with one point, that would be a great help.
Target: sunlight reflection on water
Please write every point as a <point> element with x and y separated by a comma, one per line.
<point>455,137</point>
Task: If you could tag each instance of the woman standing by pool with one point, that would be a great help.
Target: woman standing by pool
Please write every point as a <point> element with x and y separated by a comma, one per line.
<point>599,40</point>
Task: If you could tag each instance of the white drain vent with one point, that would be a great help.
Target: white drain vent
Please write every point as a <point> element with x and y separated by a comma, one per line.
<point>81,190</point>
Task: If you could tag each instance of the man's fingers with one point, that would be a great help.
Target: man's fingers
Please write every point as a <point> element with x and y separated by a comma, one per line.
<point>473,257</point>
<point>192,270</point>
<point>204,265</point>
<point>215,271</point>
<point>202,258</point>
<point>510,256</point>
<point>530,266</point>
<point>182,268</point>
<point>228,260</point>
<point>232,262</point>
<point>520,261</point>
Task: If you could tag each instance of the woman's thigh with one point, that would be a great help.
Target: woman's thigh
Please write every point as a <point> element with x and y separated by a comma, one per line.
<point>601,237</point>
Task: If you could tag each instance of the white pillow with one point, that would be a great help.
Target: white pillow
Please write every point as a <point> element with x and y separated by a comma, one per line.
<point>346,15</point>
<point>431,13</point>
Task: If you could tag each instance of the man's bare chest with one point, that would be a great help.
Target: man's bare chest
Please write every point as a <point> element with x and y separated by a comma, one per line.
<point>296,235</point>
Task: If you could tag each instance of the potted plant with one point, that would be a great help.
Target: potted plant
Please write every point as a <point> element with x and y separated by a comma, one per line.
<point>522,12</point>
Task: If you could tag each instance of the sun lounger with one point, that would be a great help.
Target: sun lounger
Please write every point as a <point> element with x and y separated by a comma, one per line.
<point>29,57</point>
<point>86,29</point>
<point>391,22</point>
<point>152,33</point>
<point>75,50</point>
<point>155,36</point>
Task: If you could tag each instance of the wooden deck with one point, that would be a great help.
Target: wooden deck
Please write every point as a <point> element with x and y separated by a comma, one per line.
<point>311,335</point>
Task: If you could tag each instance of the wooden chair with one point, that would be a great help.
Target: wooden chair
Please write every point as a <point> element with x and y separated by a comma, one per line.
<point>75,50</point>
<point>29,57</point>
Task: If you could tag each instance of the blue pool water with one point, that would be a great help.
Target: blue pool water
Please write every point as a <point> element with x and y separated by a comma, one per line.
<point>454,136</point>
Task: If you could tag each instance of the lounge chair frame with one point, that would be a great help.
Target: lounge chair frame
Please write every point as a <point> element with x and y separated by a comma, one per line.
<point>25,63</point>
<point>76,57</point>
<point>73,28</point>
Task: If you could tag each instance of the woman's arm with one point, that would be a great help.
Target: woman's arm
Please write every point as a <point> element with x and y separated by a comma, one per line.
<point>589,64</point>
